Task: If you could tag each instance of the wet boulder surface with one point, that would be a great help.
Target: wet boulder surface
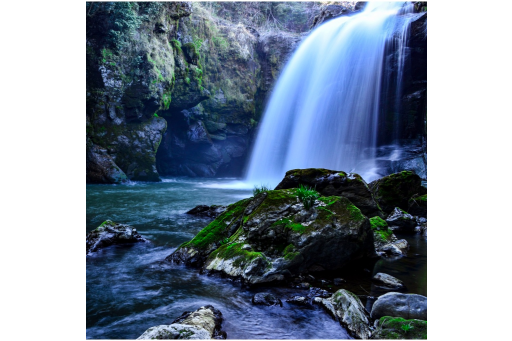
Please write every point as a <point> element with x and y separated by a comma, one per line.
<point>401,221</point>
<point>266,298</point>
<point>204,323</point>
<point>272,236</point>
<point>212,211</point>
<point>347,308</point>
<point>385,241</point>
<point>330,182</point>
<point>407,306</point>
<point>111,233</point>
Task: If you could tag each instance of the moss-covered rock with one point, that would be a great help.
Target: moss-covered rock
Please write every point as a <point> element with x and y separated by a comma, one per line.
<point>418,205</point>
<point>401,221</point>
<point>397,328</point>
<point>272,236</point>
<point>385,241</point>
<point>329,182</point>
<point>408,306</point>
<point>395,190</point>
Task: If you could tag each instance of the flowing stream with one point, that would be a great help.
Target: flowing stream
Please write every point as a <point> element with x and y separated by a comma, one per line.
<point>131,288</point>
<point>323,111</point>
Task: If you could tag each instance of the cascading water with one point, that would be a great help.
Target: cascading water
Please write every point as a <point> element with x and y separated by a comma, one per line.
<point>324,109</point>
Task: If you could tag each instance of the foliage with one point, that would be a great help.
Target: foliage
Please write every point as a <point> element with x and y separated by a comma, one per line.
<point>257,190</point>
<point>406,327</point>
<point>307,195</point>
<point>123,21</point>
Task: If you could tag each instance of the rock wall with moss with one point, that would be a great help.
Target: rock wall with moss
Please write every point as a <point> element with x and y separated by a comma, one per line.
<point>177,88</point>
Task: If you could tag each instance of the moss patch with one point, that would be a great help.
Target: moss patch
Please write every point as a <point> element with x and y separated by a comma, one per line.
<point>399,328</point>
<point>234,250</point>
<point>380,229</point>
<point>216,231</point>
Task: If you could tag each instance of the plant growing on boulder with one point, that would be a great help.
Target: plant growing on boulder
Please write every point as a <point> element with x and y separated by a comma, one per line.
<point>307,195</point>
<point>257,190</point>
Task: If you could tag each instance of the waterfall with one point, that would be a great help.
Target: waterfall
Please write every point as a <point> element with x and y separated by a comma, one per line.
<point>323,111</point>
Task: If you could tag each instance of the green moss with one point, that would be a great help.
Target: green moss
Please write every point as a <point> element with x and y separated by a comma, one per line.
<point>377,223</point>
<point>328,200</point>
<point>187,80</point>
<point>166,99</point>
<point>234,250</point>
<point>289,252</point>
<point>400,328</point>
<point>216,231</point>
<point>107,223</point>
<point>289,224</point>
<point>355,212</point>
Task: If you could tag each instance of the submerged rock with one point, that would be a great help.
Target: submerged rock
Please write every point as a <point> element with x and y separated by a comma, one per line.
<point>329,182</point>
<point>408,306</point>
<point>349,311</point>
<point>266,298</point>
<point>301,300</point>
<point>390,328</point>
<point>111,233</point>
<point>401,221</point>
<point>207,211</point>
<point>388,281</point>
<point>272,237</point>
<point>204,323</point>
<point>395,190</point>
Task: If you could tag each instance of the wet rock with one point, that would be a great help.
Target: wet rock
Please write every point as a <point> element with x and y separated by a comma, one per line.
<point>304,285</point>
<point>317,292</point>
<point>388,281</point>
<point>330,182</point>
<point>272,237</point>
<point>111,233</point>
<point>204,323</point>
<point>301,300</point>
<point>391,328</point>
<point>395,190</point>
<point>385,242</point>
<point>207,211</point>
<point>266,298</point>
<point>401,221</point>
<point>349,311</point>
<point>408,306</point>
<point>339,281</point>
<point>101,168</point>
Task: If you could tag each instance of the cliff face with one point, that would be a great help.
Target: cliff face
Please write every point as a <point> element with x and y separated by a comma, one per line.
<point>185,79</point>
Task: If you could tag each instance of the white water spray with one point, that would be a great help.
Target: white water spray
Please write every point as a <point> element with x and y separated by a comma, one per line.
<point>323,111</point>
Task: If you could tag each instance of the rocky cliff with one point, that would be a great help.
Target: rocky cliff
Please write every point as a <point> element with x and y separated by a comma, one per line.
<point>188,80</point>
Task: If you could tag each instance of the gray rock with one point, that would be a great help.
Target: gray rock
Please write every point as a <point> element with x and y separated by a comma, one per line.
<point>298,300</point>
<point>401,221</point>
<point>207,211</point>
<point>111,233</point>
<point>388,281</point>
<point>266,298</point>
<point>408,306</point>
<point>349,311</point>
<point>204,323</point>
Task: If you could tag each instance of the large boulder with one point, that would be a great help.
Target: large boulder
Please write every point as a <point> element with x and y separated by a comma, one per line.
<point>408,306</point>
<point>349,311</point>
<point>111,233</point>
<point>329,182</point>
<point>204,323</point>
<point>272,236</point>
<point>395,190</point>
<point>392,328</point>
